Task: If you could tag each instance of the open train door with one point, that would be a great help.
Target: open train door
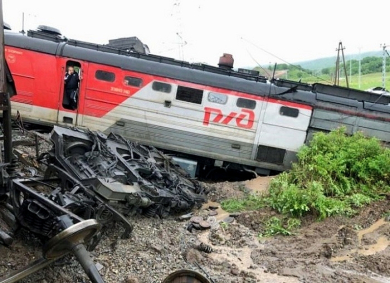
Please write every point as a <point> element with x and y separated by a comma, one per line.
<point>71,92</point>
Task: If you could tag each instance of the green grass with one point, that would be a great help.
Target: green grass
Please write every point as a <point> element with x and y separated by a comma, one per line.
<point>280,226</point>
<point>250,202</point>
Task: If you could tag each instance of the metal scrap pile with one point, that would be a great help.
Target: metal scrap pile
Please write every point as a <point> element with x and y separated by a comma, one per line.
<point>131,177</point>
<point>92,181</point>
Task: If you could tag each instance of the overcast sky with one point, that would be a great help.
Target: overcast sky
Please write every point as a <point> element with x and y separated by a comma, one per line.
<point>290,30</point>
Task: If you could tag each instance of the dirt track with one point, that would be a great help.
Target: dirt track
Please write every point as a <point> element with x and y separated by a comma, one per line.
<point>335,250</point>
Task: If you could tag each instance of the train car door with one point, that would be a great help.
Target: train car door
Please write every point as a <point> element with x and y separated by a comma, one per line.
<point>70,92</point>
<point>281,133</point>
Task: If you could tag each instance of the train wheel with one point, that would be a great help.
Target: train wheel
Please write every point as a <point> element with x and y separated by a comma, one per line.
<point>77,147</point>
<point>184,276</point>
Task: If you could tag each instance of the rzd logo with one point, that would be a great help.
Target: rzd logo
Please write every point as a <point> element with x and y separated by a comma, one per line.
<point>216,116</point>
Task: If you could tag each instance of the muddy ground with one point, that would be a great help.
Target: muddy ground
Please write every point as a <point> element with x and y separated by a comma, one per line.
<point>338,249</point>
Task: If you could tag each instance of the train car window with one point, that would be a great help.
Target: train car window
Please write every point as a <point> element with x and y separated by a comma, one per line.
<point>219,98</point>
<point>163,87</point>
<point>246,103</point>
<point>133,81</point>
<point>188,94</point>
<point>105,76</point>
<point>289,111</point>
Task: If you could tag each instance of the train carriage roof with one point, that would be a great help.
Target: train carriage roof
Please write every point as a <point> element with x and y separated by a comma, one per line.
<point>198,73</point>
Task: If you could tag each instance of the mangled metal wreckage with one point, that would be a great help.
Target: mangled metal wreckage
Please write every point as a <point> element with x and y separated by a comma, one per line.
<point>132,177</point>
<point>92,181</point>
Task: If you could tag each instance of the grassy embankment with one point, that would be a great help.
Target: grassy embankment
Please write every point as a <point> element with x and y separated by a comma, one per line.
<point>335,174</point>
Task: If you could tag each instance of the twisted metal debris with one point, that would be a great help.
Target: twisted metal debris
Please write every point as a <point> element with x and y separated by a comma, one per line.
<point>131,177</point>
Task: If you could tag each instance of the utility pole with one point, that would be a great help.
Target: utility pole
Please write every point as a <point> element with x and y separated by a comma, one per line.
<point>337,75</point>
<point>350,70</point>
<point>22,31</point>
<point>384,53</point>
<point>360,66</point>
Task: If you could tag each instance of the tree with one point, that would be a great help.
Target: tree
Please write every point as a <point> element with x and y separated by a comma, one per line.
<point>326,71</point>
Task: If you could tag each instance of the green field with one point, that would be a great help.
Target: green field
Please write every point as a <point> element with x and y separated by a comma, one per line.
<point>366,81</point>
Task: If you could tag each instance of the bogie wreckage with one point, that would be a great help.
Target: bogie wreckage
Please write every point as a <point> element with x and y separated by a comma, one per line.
<point>131,177</point>
<point>91,182</point>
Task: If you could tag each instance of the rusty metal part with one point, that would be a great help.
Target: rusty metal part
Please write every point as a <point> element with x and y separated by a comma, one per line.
<point>204,248</point>
<point>204,224</point>
<point>23,157</point>
<point>226,61</point>
<point>186,276</point>
<point>196,219</point>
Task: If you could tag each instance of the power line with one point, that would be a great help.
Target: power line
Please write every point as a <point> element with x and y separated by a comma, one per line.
<point>295,66</point>
<point>258,64</point>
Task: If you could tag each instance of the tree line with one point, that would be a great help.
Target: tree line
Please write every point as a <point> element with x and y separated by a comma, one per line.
<point>369,65</point>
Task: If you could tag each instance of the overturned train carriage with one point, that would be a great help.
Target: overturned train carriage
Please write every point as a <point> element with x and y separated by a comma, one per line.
<point>208,116</point>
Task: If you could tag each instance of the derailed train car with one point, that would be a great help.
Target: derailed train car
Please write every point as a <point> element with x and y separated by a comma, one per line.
<point>209,116</point>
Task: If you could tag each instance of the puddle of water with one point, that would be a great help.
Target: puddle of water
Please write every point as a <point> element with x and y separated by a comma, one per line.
<point>241,257</point>
<point>371,229</point>
<point>381,243</point>
<point>259,184</point>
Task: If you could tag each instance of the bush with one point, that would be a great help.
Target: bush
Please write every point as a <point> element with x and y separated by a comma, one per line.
<point>334,174</point>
